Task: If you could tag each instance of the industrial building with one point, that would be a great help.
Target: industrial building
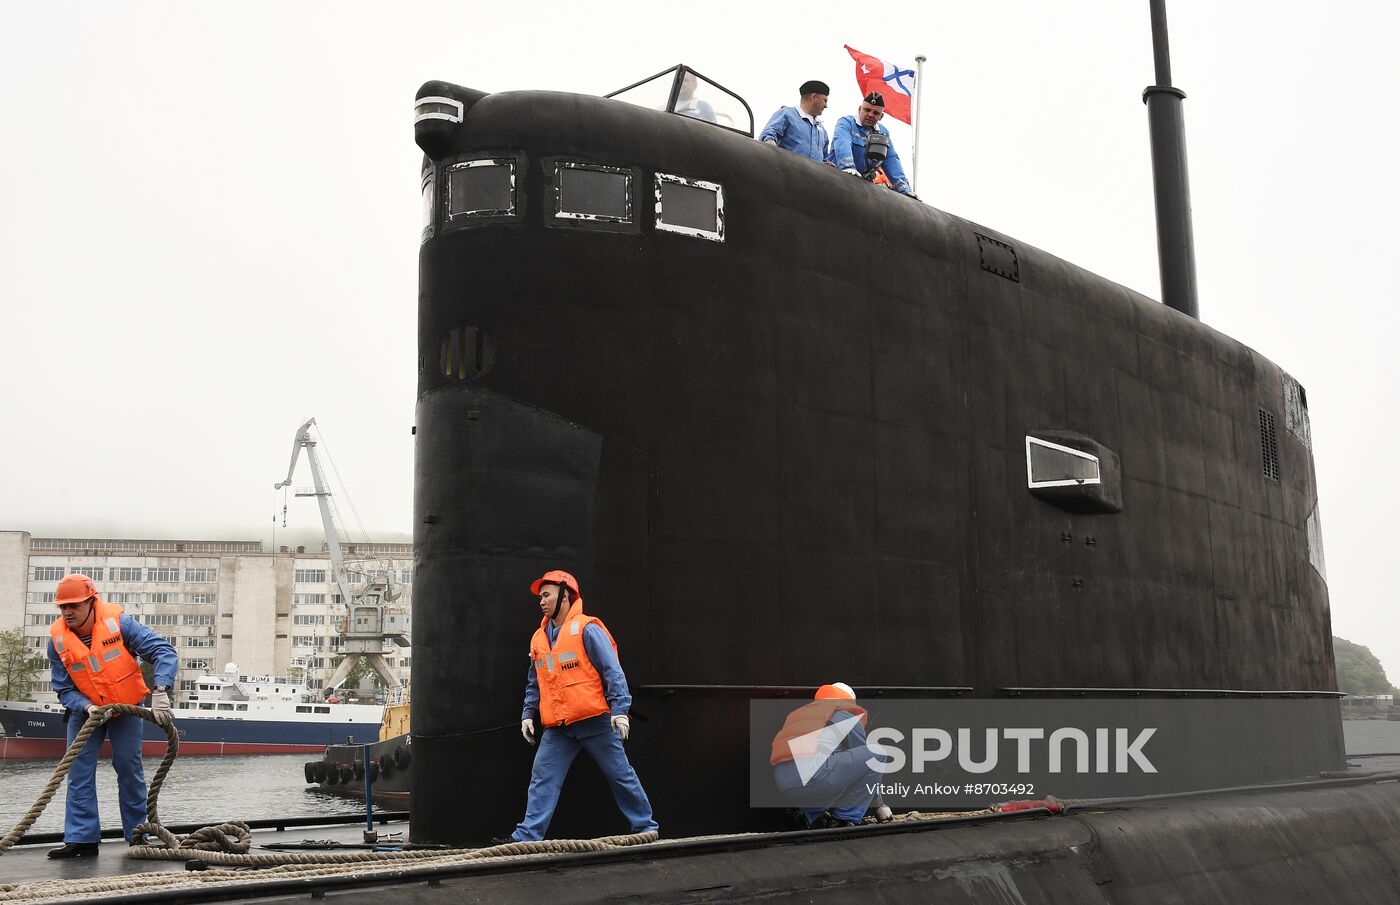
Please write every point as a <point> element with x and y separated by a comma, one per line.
<point>218,601</point>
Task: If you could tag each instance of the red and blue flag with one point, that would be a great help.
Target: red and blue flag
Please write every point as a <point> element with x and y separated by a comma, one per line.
<point>896,84</point>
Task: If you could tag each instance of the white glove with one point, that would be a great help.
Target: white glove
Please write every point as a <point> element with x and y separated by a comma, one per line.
<point>884,814</point>
<point>622,725</point>
<point>101,715</point>
<point>527,730</point>
<point>852,170</point>
<point>769,141</point>
<point>160,706</point>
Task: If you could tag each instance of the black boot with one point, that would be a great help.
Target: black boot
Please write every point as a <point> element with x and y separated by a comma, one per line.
<point>74,850</point>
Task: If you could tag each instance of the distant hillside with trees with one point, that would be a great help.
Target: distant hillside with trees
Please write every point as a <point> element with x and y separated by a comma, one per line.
<point>1358,670</point>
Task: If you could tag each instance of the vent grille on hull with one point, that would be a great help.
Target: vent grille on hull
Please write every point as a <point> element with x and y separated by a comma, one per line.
<point>1268,443</point>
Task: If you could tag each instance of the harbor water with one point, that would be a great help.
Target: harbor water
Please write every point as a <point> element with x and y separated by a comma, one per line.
<point>214,789</point>
<point>197,790</point>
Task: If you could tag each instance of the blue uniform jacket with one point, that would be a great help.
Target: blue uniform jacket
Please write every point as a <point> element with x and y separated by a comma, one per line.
<point>790,131</point>
<point>848,152</point>
<point>140,641</point>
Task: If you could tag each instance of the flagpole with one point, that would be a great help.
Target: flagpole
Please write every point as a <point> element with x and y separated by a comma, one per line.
<point>918,115</point>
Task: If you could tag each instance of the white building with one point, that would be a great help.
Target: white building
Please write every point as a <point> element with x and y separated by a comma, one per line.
<point>218,602</point>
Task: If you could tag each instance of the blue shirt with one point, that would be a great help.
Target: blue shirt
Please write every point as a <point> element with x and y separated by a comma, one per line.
<point>604,659</point>
<point>139,641</point>
<point>791,131</point>
<point>848,152</point>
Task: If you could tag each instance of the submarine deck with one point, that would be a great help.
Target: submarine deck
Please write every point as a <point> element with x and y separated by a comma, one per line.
<point>1334,838</point>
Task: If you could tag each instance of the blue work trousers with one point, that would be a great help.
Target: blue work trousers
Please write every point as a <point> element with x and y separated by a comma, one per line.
<point>80,820</point>
<point>559,746</point>
<point>845,779</point>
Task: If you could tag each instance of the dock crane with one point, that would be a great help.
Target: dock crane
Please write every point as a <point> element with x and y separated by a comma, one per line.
<point>368,628</point>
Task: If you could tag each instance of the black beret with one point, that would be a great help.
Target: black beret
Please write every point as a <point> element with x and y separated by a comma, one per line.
<point>813,87</point>
<point>875,99</point>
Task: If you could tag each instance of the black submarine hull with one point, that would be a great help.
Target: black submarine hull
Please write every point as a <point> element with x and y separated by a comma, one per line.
<point>799,455</point>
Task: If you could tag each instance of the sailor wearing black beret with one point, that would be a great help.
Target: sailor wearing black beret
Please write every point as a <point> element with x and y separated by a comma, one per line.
<point>849,145</point>
<point>797,129</point>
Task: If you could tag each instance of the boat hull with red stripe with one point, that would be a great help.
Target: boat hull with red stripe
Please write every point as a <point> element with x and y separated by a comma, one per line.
<point>38,731</point>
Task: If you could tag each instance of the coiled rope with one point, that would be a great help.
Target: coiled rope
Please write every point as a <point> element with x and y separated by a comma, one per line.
<point>172,747</point>
<point>227,844</point>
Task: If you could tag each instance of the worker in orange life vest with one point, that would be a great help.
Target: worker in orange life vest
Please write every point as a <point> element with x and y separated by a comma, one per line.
<point>92,649</point>
<point>821,759</point>
<point>576,691</point>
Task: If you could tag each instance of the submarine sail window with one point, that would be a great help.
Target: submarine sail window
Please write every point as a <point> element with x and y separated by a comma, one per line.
<point>481,188</point>
<point>690,207</point>
<point>427,202</point>
<point>1052,465</point>
<point>685,92</point>
<point>590,192</point>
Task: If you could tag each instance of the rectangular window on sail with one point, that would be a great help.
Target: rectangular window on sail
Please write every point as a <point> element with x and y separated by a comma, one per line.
<point>585,191</point>
<point>481,188</point>
<point>689,207</point>
<point>1052,465</point>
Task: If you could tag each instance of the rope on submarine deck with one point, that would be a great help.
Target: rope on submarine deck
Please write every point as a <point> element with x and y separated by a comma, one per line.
<point>225,847</point>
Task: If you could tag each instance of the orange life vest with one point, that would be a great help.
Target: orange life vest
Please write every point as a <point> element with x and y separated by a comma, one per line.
<point>105,672</point>
<point>570,687</point>
<point>809,718</point>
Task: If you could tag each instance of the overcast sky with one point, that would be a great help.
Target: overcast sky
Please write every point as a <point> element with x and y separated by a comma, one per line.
<point>209,218</point>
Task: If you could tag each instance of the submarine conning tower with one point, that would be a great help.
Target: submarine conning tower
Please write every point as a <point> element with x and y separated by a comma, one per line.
<point>788,428</point>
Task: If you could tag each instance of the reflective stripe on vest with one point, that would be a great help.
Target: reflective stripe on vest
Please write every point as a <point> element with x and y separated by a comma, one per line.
<point>573,692</point>
<point>103,669</point>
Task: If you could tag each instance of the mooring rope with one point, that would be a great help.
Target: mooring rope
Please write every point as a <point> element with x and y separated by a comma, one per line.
<point>227,845</point>
<point>223,849</point>
<point>172,747</point>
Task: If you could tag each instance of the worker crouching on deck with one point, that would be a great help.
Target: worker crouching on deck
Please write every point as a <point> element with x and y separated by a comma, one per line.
<point>821,754</point>
<point>93,648</point>
<point>576,691</point>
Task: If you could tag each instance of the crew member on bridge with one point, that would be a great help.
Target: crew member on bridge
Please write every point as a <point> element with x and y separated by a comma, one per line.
<point>820,758</point>
<point>576,690</point>
<point>93,648</point>
<point>797,129</point>
<point>848,144</point>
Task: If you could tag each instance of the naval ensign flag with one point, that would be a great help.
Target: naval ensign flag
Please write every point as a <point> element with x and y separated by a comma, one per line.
<point>897,85</point>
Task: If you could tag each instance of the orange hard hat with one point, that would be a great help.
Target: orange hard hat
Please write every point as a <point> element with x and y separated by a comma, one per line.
<point>838,690</point>
<point>555,577</point>
<point>74,588</point>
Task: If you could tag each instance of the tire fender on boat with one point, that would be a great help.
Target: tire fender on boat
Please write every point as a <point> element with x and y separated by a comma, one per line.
<point>402,757</point>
